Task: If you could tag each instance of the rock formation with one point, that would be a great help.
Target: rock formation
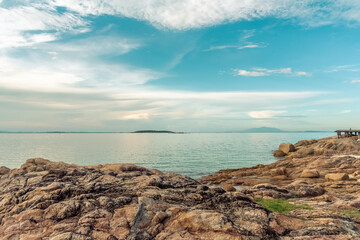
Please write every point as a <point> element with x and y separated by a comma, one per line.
<point>323,174</point>
<point>54,200</point>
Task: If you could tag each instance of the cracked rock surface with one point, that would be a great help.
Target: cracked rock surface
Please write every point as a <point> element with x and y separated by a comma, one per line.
<point>54,200</point>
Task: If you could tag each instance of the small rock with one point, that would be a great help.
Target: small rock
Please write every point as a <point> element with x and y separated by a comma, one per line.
<point>278,171</point>
<point>278,153</point>
<point>309,173</point>
<point>336,176</point>
<point>229,188</point>
<point>4,170</point>
<point>286,148</point>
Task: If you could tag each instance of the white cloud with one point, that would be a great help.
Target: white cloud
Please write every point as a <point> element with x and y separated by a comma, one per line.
<point>259,72</point>
<point>355,81</point>
<point>187,14</point>
<point>264,114</point>
<point>242,72</point>
<point>20,26</point>
<point>345,68</point>
<point>239,47</point>
<point>346,111</point>
<point>136,116</point>
<point>25,23</point>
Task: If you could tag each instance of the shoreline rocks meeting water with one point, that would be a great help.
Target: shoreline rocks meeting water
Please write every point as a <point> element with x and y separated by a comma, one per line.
<point>311,192</point>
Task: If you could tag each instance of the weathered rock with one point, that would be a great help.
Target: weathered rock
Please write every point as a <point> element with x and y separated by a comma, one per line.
<point>331,204</point>
<point>55,200</point>
<point>278,153</point>
<point>229,188</point>
<point>4,170</point>
<point>122,201</point>
<point>286,148</point>
<point>310,173</point>
<point>278,171</point>
<point>304,152</point>
<point>336,176</point>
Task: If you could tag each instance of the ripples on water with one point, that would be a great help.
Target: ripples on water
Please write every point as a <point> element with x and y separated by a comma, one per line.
<point>195,154</point>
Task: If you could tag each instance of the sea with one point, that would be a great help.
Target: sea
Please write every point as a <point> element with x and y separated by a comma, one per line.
<point>191,154</point>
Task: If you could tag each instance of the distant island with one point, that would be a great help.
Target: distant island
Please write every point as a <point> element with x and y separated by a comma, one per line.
<point>157,131</point>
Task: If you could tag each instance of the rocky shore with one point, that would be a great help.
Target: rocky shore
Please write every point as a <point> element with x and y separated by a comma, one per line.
<point>323,175</point>
<point>318,179</point>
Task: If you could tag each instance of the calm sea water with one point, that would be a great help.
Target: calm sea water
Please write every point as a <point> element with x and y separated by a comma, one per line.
<point>195,154</point>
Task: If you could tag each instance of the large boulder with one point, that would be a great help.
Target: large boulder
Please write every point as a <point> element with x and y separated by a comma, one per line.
<point>287,147</point>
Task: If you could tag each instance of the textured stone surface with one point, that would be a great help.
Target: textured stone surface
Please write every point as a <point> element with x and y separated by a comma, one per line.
<point>321,174</point>
<point>54,200</point>
<point>278,153</point>
<point>286,148</point>
<point>310,173</point>
<point>336,176</point>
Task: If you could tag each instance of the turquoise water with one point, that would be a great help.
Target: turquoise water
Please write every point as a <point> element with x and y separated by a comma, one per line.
<point>195,154</point>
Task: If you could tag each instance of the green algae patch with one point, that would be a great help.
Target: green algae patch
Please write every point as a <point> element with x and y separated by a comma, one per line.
<point>280,205</point>
<point>354,213</point>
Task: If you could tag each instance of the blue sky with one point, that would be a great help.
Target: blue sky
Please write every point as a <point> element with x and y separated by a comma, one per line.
<point>190,65</point>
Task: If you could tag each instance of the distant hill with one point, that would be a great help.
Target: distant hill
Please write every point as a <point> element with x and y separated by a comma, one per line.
<point>263,130</point>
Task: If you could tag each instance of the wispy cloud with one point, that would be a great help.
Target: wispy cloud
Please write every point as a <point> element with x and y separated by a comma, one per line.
<point>187,14</point>
<point>238,47</point>
<point>259,72</point>
<point>346,111</point>
<point>25,23</point>
<point>37,23</point>
<point>355,81</point>
<point>344,68</point>
<point>265,114</point>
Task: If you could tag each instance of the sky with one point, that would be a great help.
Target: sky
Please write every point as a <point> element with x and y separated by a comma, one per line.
<point>181,65</point>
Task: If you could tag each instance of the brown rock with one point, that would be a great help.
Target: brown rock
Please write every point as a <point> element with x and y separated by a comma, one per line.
<point>278,171</point>
<point>304,152</point>
<point>286,148</point>
<point>336,176</point>
<point>4,170</point>
<point>310,173</point>
<point>121,201</point>
<point>278,153</point>
<point>229,188</point>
